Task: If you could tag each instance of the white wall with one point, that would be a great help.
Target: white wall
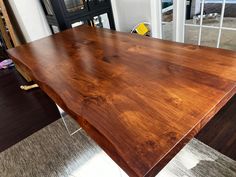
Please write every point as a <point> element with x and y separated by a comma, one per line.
<point>128,13</point>
<point>31,18</point>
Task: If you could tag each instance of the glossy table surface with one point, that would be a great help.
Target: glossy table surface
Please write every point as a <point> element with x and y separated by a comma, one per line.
<point>140,99</point>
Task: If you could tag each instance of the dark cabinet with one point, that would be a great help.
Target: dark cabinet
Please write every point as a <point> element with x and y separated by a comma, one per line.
<point>93,4</point>
<point>74,6</point>
<point>64,14</point>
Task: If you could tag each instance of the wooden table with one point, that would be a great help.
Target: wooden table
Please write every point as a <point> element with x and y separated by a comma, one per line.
<point>140,99</point>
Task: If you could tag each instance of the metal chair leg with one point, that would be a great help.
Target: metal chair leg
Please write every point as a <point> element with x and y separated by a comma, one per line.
<point>62,113</point>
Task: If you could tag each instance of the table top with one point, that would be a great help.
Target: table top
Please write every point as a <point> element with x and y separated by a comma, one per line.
<point>140,99</point>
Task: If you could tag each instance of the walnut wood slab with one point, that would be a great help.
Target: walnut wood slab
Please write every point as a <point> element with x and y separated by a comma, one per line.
<point>140,99</point>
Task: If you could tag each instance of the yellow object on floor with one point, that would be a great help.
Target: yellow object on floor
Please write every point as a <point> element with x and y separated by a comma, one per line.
<point>142,29</point>
<point>29,87</point>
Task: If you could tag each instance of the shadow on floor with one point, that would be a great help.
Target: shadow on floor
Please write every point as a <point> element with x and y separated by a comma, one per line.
<point>22,113</point>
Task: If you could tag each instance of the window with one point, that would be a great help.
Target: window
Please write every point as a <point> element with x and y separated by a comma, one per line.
<point>214,22</point>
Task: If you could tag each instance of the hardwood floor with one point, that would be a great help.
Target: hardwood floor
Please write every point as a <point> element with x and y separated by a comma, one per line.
<point>220,133</point>
<point>21,113</point>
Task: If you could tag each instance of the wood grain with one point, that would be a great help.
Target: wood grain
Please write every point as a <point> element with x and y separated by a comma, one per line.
<point>140,99</point>
<point>12,32</point>
<point>5,34</point>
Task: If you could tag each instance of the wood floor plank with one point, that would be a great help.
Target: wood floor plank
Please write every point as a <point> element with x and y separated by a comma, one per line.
<point>220,132</point>
<point>22,113</point>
